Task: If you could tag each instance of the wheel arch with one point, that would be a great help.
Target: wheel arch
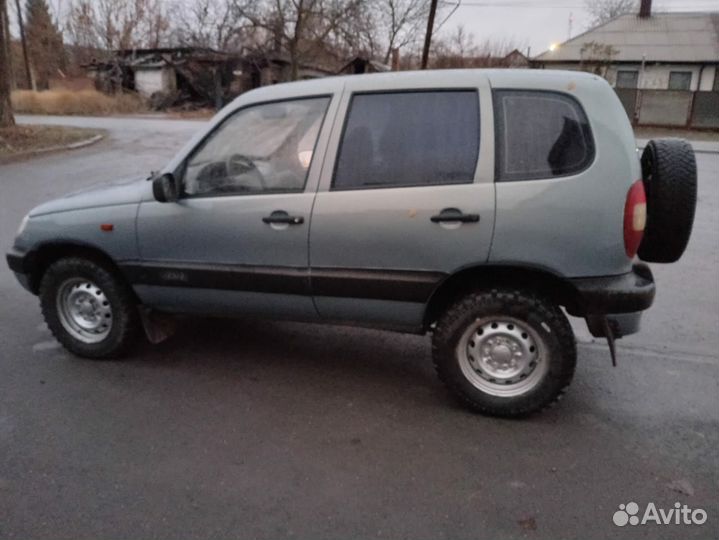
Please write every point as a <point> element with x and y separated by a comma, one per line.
<point>540,280</point>
<point>45,254</point>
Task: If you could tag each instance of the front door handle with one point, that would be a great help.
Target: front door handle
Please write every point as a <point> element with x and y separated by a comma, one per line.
<point>454,214</point>
<point>282,217</point>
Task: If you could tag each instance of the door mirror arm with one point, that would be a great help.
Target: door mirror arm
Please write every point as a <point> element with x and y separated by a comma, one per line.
<point>165,188</point>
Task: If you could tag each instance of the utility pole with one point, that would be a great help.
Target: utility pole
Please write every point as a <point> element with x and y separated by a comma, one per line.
<point>28,73</point>
<point>428,35</point>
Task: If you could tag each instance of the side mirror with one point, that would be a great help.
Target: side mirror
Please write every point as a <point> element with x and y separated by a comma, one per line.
<point>165,188</point>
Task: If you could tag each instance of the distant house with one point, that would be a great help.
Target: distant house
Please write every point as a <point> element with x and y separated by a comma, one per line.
<point>263,70</point>
<point>514,59</point>
<point>175,75</point>
<point>652,51</point>
<point>198,74</point>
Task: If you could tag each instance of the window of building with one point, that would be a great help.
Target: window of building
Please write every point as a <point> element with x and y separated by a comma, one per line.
<point>261,149</point>
<point>409,139</point>
<point>540,134</point>
<point>680,80</point>
<point>627,78</point>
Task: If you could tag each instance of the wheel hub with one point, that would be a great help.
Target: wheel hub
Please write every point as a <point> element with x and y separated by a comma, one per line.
<point>501,356</point>
<point>84,310</point>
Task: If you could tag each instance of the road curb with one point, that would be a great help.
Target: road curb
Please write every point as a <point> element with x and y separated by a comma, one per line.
<point>74,146</point>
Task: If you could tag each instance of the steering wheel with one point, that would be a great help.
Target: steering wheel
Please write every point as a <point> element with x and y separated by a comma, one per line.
<point>237,164</point>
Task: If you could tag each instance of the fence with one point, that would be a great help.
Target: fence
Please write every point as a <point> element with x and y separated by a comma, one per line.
<point>671,108</point>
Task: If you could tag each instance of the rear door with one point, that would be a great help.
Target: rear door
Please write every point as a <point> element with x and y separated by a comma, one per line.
<point>406,198</point>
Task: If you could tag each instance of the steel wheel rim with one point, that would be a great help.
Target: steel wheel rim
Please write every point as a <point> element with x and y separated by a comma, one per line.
<point>84,310</point>
<point>502,356</point>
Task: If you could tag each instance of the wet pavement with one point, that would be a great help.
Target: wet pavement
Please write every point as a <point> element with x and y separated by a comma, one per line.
<point>274,430</point>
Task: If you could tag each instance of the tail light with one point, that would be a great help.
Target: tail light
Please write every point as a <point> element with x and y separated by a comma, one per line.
<point>635,217</point>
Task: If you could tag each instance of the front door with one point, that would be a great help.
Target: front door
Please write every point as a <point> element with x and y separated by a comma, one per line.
<point>408,200</point>
<point>237,240</point>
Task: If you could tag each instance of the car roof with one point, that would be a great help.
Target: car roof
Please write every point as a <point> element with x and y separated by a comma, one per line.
<point>444,78</point>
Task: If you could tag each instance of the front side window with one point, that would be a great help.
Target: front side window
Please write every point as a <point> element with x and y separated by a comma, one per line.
<point>680,80</point>
<point>409,139</point>
<point>264,148</point>
<point>539,134</point>
<point>627,78</point>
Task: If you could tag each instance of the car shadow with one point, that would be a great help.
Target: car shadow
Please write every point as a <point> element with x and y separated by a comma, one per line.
<point>311,354</point>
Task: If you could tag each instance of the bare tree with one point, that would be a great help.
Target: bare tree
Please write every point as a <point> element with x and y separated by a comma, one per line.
<point>44,42</point>
<point>117,24</point>
<point>6,117</point>
<point>460,50</point>
<point>215,24</point>
<point>597,57</point>
<point>400,23</point>
<point>5,44</point>
<point>302,29</point>
<point>602,11</point>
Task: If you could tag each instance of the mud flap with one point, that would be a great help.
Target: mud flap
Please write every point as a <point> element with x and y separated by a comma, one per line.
<point>609,334</point>
<point>158,326</point>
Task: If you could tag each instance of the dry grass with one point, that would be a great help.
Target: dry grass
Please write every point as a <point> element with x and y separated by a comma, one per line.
<point>20,141</point>
<point>191,114</point>
<point>82,102</point>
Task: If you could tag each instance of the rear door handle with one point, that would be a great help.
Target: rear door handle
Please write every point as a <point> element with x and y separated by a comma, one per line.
<point>454,214</point>
<point>282,217</point>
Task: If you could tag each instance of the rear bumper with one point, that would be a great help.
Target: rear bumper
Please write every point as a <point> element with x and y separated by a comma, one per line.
<point>620,324</point>
<point>627,293</point>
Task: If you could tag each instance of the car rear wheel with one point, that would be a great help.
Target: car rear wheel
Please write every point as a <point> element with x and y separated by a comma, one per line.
<point>504,353</point>
<point>88,309</point>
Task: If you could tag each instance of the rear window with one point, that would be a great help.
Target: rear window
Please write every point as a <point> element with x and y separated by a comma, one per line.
<point>539,134</point>
<point>409,139</point>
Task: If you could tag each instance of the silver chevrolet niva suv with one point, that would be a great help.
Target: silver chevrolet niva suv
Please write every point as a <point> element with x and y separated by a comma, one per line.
<point>470,204</point>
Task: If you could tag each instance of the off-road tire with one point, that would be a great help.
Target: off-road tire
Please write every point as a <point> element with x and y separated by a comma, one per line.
<point>669,171</point>
<point>541,315</point>
<point>125,319</point>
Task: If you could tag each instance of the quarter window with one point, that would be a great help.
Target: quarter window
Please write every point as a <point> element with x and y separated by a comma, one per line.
<point>539,134</point>
<point>265,148</point>
<point>409,139</point>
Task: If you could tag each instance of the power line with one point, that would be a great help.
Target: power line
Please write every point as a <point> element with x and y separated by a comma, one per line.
<point>510,4</point>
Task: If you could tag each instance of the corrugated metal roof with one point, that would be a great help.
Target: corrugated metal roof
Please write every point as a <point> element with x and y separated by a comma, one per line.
<point>663,37</point>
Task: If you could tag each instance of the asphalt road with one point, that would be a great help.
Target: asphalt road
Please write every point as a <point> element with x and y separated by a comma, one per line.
<point>278,430</point>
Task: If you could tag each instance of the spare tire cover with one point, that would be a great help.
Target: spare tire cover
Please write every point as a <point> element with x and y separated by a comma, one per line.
<point>669,172</point>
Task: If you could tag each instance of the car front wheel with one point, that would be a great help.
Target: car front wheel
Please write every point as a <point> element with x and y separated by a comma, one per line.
<point>504,352</point>
<point>88,309</point>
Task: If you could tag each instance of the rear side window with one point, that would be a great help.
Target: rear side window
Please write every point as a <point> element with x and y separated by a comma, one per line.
<point>409,139</point>
<point>539,135</point>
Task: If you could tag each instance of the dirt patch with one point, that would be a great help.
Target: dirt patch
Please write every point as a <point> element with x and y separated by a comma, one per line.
<point>690,135</point>
<point>20,141</point>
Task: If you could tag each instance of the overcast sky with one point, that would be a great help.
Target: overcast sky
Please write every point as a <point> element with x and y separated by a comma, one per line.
<point>537,23</point>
